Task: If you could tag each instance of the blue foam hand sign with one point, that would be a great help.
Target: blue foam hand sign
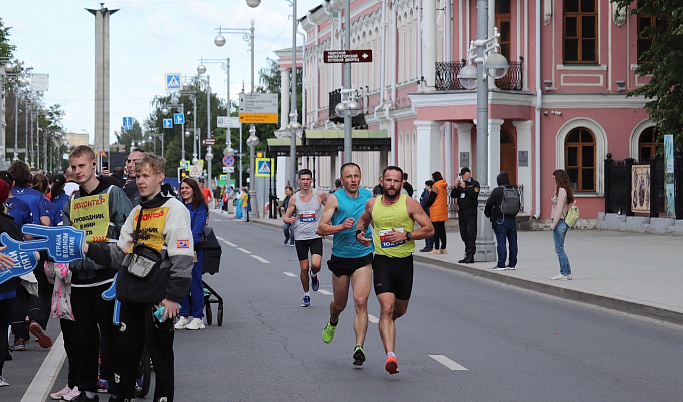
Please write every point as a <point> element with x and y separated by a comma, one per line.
<point>110,294</point>
<point>24,261</point>
<point>62,243</point>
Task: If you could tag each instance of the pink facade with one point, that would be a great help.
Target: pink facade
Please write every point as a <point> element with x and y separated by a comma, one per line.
<point>561,107</point>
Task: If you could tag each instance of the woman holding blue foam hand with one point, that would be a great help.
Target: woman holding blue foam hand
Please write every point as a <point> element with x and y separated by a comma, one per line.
<point>194,201</point>
<point>155,253</point>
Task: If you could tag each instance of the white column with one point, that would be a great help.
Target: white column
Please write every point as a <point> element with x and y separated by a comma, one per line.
<point>429,43</point>
<point>524,173</point>
<point>464,143</point>
<point>284,98</point>
<point>494,150</point>
<point>429,149</point>
<point>281,176</point>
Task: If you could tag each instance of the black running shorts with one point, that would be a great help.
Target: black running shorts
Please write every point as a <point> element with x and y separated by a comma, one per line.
<point>303,246</point>
<point>394,275</point>
<point>346,266</point>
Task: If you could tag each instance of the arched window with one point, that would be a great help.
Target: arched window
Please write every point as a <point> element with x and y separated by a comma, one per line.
<point>648,145</point>
<point>579,148</point>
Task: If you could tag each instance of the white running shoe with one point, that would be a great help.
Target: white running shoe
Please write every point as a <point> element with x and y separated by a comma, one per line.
<point>59,394</point>
<point>73,394</point>
<point>182,323</point>
<point>196,323</point>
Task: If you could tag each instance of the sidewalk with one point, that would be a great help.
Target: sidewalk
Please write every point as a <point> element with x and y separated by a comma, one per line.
<point>635,273</point>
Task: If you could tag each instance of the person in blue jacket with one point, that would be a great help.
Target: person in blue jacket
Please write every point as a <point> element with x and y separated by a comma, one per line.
<point>57,193</point>
<point>194,200</point>
<point>40,184</point>
<point>22,190</point>
<point>18,209</point>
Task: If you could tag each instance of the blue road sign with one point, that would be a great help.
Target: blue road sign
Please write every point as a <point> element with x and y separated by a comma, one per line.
<point>228,160</point>
<point>173,82</point>
<point>168,123</point>
<point>127,123</point>
<point>178,118</point>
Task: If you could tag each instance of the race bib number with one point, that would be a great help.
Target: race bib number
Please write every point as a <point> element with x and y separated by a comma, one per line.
<point>386,243</point>
<point>307,216</point>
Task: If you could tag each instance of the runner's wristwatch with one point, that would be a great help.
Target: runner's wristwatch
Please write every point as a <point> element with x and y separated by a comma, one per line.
<point>409,235</point>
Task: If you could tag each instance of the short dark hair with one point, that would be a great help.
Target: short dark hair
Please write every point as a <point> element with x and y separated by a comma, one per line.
<point>437,176</point>
<point>396,168</point>
<point>21,173</point>
<point>429,183</point>
<point>305,171</point>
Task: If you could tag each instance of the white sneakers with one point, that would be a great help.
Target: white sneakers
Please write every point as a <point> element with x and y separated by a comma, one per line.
<point>71,395</point>
<point>196,323</point>
<point>182,322</point>
<point>561,277</point>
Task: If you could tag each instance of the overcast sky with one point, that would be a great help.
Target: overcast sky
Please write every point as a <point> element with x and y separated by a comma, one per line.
<point>147,40</point>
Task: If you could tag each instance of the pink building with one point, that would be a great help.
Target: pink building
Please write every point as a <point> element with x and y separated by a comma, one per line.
<point>562,105</point>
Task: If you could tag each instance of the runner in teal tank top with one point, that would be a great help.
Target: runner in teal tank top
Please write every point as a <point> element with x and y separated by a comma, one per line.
<point>393,216</point>
<point>351,262</point>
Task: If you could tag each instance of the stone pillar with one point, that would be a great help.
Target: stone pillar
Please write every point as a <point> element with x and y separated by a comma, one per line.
<point>494,150</point>
<point>524,173</point>
<point>284,98</point>
<point>429,149</point>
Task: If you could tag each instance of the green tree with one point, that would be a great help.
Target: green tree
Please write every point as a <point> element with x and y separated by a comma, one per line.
<point>6,48</point>
<point>663,62</point>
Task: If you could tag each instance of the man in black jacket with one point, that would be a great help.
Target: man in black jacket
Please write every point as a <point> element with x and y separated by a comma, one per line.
<point>504,226</point>
<point>466,191</point>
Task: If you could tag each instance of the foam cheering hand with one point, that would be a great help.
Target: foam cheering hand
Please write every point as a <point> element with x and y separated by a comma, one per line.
<point>62,243</point>
<point>24,261</point>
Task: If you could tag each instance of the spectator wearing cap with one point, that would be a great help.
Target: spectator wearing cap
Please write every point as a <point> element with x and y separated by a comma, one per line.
<point>466,192</point>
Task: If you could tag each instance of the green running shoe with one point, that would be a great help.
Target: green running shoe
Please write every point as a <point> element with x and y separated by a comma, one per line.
<point>328,332</point>
<point>358,356</point>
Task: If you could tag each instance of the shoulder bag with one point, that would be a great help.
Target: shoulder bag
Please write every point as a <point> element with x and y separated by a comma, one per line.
<point>572,215</point>
<point>145,258</point>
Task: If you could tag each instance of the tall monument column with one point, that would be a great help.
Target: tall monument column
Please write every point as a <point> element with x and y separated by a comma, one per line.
<point>101,81</point>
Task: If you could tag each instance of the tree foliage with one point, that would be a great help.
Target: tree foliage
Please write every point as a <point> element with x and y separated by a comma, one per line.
<point>6,48</point>
<point>663,62</point>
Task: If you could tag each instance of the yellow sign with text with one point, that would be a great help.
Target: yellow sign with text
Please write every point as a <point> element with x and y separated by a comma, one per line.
<point>258,117</point>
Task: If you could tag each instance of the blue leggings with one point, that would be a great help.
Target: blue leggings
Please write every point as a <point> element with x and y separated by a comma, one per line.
<point>196,296</point>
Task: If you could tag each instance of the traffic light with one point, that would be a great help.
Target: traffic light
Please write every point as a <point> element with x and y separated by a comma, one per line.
<point>182,173</point>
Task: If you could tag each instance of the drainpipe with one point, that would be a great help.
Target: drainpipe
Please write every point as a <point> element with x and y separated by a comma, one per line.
<point>537,114</point>
<point>383,65</point>
<point>303,76</point>
<point>394,78</point>
<point>419,45</point>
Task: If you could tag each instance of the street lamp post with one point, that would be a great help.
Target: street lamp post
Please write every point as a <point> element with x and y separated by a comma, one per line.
<point>248,36</point>
<point>225,66</point>
<point>496,66</point>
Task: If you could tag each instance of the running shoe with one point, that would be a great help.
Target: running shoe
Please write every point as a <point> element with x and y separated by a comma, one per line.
<point>328,332</point>
<point>196,323</point>
<point>19,345</point>
<point>72,395</point>
<point>358,356</point>
<point>59,394</point>
<point>182,322</point>
<point>3,382</point>
<point>315,283</point>
<point>43,339</point>
<point>391,365</point>
<point>306,301</point>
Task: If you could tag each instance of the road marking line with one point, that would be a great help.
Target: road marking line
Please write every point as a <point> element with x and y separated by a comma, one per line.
<point>220,238</point>
<point>448,362</point>
<point>263,260</point>
<point>47,373</point>
<point>229,244</point>
<point>290,274</point>
<point>373,319</point>
<point>325,292</point>
<point>245,251</point>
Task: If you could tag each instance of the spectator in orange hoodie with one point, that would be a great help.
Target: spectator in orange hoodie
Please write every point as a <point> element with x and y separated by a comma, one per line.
<point>438,212</point>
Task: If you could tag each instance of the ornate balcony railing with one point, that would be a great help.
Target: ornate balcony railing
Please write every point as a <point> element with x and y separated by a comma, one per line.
<point>447,76</point>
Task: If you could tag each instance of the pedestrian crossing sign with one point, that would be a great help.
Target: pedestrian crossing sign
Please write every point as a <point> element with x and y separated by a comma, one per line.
<point>173,82</point>
<point>264,167</point>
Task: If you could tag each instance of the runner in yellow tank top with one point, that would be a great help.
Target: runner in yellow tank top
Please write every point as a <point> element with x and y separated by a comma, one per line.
<point>393,217</point>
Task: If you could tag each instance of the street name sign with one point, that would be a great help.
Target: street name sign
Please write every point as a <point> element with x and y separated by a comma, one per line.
<point>347,56</point>
<point>208,141</point>
<point>228,122</point>
<point>258,108</point>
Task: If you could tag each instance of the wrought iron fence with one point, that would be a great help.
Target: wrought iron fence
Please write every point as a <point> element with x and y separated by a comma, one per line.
<point>447,76</point>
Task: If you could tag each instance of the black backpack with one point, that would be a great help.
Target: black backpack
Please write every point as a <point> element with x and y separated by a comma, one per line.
<point>510,205</point>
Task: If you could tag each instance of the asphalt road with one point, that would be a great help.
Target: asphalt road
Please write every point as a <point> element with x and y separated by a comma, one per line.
<point>463,338</point>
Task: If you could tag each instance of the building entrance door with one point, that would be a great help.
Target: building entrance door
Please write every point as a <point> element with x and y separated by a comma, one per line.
<point>508,156</point>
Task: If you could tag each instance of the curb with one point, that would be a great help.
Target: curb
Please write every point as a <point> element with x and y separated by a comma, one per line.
<point>608,302</point>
